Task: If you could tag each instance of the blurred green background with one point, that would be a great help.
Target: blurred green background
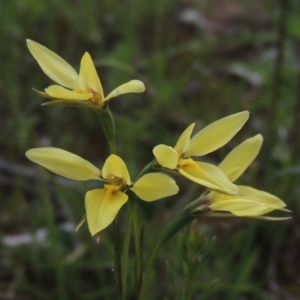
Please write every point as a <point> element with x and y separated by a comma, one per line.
<point>200,61</point>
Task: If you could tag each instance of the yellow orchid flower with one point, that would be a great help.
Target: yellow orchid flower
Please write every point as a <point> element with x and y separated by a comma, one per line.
<point>205,141</point>
<point>77,90</point>
<point>249,202</point>
<point>102,205</point>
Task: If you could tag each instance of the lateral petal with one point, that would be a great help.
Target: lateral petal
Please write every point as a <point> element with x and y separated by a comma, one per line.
<point>216,135</point>
<point>241,157</point>
<point>166,156</point>
<point>241,207</point>
<point>59,92</point>
<point>102,206</point>
<point>116,166</point>
<point>207,175</point>
<point>250,202</point>
<point>133,86</point>
<point>184,140</point>
<point>261,197</point>
<point>154,186</point>
<point>53,65</point>
<point>64,163</point>
<point>88,76</point>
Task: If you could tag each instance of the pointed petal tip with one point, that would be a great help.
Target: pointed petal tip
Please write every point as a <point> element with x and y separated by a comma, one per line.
<point>245,113</point>
<point>257,137</point>
<point>184,139</point>
<point>29,41</point>
<point>86,53</point>
<point>88,76</point>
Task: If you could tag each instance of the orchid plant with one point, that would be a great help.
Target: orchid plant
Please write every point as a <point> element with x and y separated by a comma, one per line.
<point>221,197</point>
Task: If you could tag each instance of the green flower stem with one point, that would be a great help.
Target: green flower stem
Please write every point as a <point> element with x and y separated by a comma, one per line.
<point>153,166</point>
<point>108,126</point>
<point>59,266</point>
<point>117,255</point>
<point>147,169</point>
<point>132,218</point>
<point>190,212</point>
<point>138,232</point>
<point>125,254</point>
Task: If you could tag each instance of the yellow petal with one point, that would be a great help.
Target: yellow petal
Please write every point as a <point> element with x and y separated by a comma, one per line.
<point>217,197</point>
<point>250,202</point>
<point>241,207</point>
<point>238,160</point>
<point>114,165</point>
<point>88,76</point>
<point>133,86</point>
<point>154,186</point>
<point>207,175</point>
<point>216,135</point>
<point>53,65</point>
<point>184,140</point>
<point>64,163</point>
<point>59,92</point>
<point>261,197</point>
<point>166,156</point>
<point>102,206</point>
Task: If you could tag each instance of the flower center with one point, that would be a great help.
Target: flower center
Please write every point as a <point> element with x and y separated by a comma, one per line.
<point>186,162</point>
<point>96,97</point>
<point>118,182</point>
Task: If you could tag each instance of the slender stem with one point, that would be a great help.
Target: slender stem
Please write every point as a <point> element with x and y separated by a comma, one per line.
<point>153,166</point>
<point>118,268</point>
<point>189,213</point>
<point>138,248</point>
<point>140,278</point>
<point>147,169</point>
<point>108,125</point>
<point>125,254</point>
<point>112,147</point>
<point>55,256</point>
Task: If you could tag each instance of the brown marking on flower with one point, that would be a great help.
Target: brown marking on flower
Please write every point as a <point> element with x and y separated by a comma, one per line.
<point>96,97</point>
<point>116,181</point>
